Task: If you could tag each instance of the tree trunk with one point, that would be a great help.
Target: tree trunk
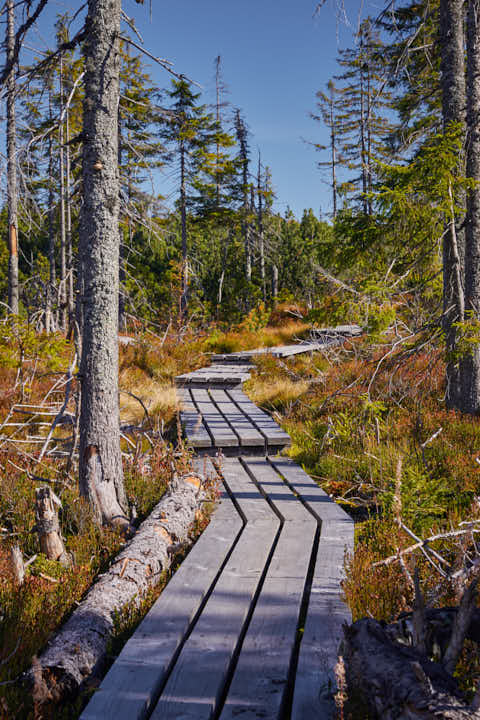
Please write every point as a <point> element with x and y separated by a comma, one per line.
<point>183,213</point>
<point>453,111</point>
<point>80,647</point>
<point>363,151</point>
<point>48,529</point>
<point>68,207</point>
<point>50,323</point>
<point>333,151</point>
<point>100,461</point>
<point>18,568</point>
<point>261,238</point>
<point>397,681</point>
<point>63,254</point>
<point>12,198</point>
<point>274,283</point>
<point>470,364</point>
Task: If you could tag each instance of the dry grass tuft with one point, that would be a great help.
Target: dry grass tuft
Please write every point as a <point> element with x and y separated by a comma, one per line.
<point>277,392</point>
<point>159,398</point>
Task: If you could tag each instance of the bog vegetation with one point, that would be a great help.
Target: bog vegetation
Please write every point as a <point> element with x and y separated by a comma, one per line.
<point>386,423</point>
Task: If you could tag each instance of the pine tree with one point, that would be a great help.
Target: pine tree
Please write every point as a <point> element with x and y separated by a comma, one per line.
<point>453,111</point>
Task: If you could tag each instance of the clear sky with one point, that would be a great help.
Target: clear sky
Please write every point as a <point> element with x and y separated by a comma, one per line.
<point>275,53</point>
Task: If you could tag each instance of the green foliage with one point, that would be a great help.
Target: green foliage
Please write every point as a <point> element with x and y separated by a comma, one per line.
<point>468,335</point>
<point>20,343</point>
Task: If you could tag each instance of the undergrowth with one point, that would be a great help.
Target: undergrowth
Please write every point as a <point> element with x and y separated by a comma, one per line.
<point>386,449</point>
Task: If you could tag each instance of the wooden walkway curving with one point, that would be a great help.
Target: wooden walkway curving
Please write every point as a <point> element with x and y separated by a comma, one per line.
<point>249,625</point>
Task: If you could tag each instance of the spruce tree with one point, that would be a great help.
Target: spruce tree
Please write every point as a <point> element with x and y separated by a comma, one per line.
<point>185,131</point>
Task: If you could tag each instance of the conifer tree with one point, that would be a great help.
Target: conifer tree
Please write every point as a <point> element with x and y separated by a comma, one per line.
<point>453,111</point>
<point>362,124</point>
<point>327,104</point>
<point>243,162</point>
<point>185,132</point>
<point>140,152</point>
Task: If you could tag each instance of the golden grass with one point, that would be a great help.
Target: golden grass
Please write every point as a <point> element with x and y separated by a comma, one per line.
<point>249,339</point>
<point>277,391</point>
<point>158,397</point>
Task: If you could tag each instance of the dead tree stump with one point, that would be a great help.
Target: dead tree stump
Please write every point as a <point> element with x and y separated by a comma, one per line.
<point>47,526</point>
<point>18,568</point>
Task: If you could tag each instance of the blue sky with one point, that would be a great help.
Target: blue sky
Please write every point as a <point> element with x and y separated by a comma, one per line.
<point>275,53</point>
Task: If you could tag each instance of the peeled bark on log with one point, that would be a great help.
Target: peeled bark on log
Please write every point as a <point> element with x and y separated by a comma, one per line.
<point>398,682</point>
<point>47,526</point>
<point>79,650</point>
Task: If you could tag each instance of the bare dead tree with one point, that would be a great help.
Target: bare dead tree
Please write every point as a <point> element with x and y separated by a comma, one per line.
<point>12,199</point>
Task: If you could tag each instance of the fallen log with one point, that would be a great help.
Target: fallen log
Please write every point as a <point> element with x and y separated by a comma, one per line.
<point>399,682</point>
<point>78,651</point>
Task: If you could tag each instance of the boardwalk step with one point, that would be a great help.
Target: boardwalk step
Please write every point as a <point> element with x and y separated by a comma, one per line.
<point>228,420</point>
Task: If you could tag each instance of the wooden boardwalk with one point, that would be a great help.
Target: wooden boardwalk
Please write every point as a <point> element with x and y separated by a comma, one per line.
<point>249,625</point>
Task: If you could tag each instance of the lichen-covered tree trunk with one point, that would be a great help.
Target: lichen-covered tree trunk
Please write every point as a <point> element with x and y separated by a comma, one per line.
<point>452,37</point>
<point>470,364</point>
<point>12,166</point>
<point>100,463</point>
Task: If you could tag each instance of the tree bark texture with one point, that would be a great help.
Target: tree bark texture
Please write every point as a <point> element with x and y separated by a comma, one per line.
<point>398,682</point>
<point>12,198</point>
<point>79,649</point>
<point>470,364</point>
<point>100,462</point>
<point>452,68</point>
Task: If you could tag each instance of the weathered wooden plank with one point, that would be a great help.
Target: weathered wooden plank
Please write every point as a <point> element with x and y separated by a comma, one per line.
<point>317,499</point>
<point>221,432</point>
<point>135,679</point>
<point>315,678</point>
<point>278,492</point>
<point>273,433</point>
<point>248,435</point>
<point>198,678</point>
<point>260,678</point>
<point>191,421</point>
<point>244,490</point>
